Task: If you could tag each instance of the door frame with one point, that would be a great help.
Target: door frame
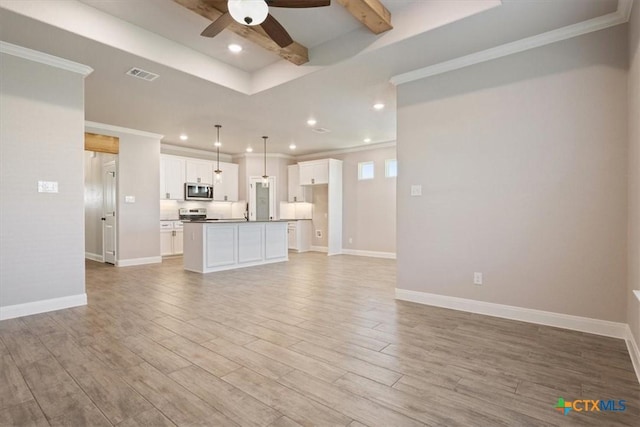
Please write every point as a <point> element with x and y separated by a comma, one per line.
<point>114,164</point>
<point>257,180</point>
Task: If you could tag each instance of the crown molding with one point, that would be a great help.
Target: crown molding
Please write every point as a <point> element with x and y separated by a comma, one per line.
<point>261,155</point>
<point>111,128</point>
<point>44,58</point>
<point>620,16</point>
<point>178,150</point>
<point>355,149</point>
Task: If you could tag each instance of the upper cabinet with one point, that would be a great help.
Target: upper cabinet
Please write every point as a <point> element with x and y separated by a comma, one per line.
<point>227,189</point>
<point>172,177</point>
<point>314,172</point>
<point>176,170</point>
<point>199,171</point>
<point>297,193</point>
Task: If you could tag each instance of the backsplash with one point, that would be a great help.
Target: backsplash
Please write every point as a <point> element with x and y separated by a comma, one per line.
<point>295,210</point>
<point>219,210</point>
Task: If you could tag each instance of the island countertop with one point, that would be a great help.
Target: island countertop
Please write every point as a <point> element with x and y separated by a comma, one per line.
<point>214,221</point>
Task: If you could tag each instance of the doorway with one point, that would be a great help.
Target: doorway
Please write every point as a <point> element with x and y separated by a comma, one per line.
<point>262,200</point>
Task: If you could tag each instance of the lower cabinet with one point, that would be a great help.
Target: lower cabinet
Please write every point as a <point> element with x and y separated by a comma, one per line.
<point>171,238</point>
<point>299,235</point>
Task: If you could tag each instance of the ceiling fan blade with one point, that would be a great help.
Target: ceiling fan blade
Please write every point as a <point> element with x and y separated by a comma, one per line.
<point>218,25</point>
<point>298,3</point>
<point>276,31</point>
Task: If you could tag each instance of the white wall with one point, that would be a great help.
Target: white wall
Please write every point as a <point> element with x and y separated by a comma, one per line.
<point>138,175</point>
<point>523,167</point>
<point>41,138</point>
<point>633,315</point>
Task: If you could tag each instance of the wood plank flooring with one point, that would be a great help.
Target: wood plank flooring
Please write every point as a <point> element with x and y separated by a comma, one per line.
<point>315,341</point>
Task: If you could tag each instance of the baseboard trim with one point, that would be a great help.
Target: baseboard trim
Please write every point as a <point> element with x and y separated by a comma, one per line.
<point>94,257</point>
<point>634,351</point>
<point>323,249</point>
<point>43,306</point>
<point>373,254</point>
<point>559,320</point>
<point>139,261</point>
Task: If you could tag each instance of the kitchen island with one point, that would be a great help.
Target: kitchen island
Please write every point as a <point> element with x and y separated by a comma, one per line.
<point>227,244</point>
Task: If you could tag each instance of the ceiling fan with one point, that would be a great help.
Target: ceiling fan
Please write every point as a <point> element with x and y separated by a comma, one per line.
<point>256,12</point>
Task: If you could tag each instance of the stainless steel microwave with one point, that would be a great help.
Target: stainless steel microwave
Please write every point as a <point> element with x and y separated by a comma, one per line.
<point>198,191</point>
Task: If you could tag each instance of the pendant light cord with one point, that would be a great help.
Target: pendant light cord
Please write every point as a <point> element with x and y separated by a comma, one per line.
<point>265,156</point>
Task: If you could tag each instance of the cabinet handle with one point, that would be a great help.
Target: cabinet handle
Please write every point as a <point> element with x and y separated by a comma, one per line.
<point>313,180</point>
<point>168,196</point>
<point>198,180</point>
<point>295,198</point>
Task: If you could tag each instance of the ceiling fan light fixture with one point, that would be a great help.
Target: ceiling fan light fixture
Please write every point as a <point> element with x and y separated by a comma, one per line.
<point>248,12</point>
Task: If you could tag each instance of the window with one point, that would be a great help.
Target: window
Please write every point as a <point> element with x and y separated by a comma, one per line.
<point>365,170</point>
<point>391,168</point>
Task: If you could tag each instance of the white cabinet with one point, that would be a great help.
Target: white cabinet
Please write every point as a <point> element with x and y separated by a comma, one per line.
<point>297,192</point>
<point>299,235</point>
<point>175,171</point>
<point>199,171</point>
<point>217,246</point>
<point>172,178</point>
<point>227,189</point>
<point>314,172</point>
<point>171,238</point>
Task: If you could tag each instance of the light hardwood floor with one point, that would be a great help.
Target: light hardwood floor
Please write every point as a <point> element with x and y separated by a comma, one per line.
<point>315,341</point>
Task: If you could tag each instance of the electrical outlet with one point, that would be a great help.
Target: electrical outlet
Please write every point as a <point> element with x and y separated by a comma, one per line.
<point>319,234</point>
<point>350,239</point>
<point>416,190</point>
<point>477,278</point>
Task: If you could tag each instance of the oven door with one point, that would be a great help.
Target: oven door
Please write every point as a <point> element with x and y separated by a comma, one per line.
<point>193,191</point>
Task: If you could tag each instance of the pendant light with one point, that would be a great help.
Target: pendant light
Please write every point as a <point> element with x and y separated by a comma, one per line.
<point>248,12</point>
<point>218,172</point>
<point>265,177</point>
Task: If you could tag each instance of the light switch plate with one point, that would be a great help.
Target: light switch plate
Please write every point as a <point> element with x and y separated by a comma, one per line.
<point>129,199</point>
<point>47,186</point>
<point>416,190</point>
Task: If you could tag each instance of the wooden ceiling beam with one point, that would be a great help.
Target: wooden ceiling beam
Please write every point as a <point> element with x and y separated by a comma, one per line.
<point>371,13</point>
<point>294,53</point>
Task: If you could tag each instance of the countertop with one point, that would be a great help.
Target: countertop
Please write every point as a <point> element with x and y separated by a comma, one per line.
<point>222,221</point>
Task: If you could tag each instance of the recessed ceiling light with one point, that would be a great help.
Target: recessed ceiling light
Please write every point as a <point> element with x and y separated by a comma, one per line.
<point>378,106</point>
<point>235,48</point>
<point>183,137</point>
<point>292,146</point>
<point>217,144</point>
<point>249,149</point>
<point>367,140</point>
<point>311,122</point>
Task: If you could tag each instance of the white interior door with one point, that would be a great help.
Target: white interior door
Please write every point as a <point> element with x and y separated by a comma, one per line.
<point>109,212</point>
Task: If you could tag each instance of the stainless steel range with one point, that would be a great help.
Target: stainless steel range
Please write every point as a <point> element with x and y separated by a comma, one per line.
<point>192,214</point>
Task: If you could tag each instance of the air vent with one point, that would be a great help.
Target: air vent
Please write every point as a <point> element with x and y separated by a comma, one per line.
<point>142,74</point>
<point>320,130</point>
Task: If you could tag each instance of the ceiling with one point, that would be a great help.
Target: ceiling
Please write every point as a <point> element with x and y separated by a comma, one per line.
<point>255,93</point>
